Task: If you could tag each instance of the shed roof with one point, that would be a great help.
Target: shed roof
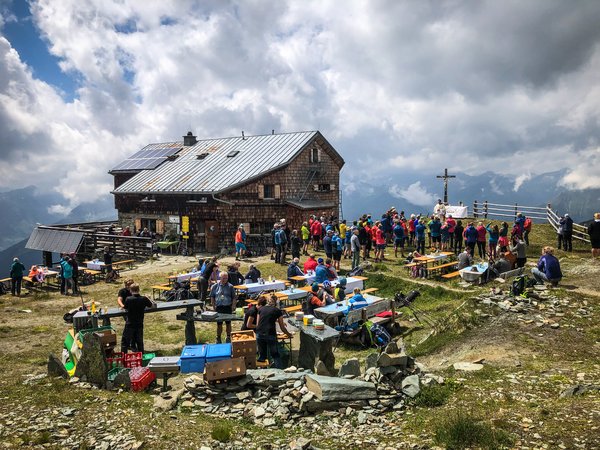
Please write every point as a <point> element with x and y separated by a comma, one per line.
<point>226,163</point>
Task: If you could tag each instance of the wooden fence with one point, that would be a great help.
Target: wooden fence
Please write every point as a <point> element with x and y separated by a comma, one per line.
<point>488,210</point>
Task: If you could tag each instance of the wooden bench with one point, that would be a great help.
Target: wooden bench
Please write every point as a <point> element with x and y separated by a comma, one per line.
<point>451,275</point>
<point>441,267</point>
<point>118,265</point>
<point>369,290</point>
<point>6,282</point>
<point>161,288</point>
<point>292,309</point>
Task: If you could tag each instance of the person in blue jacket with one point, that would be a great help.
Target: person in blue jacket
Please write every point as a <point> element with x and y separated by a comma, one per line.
<point>471,237</point>
<point>435,227</point>
<point>420,234</point>
<point>321,272</point>
<point>548,268</point>
<point>357,301</point>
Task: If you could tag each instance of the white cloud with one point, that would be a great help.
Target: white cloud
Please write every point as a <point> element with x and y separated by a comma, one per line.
<point>397,88</point>
<point>584,173</point>
<point>519,180</point>
<point>414,193</point>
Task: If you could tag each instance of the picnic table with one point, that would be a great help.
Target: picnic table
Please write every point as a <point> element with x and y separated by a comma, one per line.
<point>340,308</point>
<point>253,288</point>
<point>315,345</point>
<point>190,338</point>
<point>188,305</point>
<point>95,265</point>
<point>192,276</point>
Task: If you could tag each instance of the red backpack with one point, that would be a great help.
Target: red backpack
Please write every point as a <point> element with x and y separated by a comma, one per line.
<point>527,224</point>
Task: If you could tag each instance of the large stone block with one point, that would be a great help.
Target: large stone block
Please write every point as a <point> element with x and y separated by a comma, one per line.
<point>92,365</point>
<point>394,359</point>
<point>350,367</point>
<point>340,389</point>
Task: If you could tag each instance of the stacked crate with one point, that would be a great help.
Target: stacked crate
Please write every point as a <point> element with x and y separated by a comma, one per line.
<point>243,345</point>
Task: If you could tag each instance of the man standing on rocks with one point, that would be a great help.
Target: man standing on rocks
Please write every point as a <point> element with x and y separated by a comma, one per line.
<point>133,333</point>
<point>266,333</point>
<point>223,297</point>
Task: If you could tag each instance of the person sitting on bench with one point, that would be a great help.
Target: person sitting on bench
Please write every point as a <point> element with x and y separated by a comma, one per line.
<point>357,301</point>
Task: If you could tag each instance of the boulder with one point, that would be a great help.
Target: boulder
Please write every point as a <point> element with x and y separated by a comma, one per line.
<point>340,389</point>
<point>56,368</point>
<point>321,369</point>
<point>467,366</point>
<point>371,360</point>
<point>167,400</point>
<point>393,359</point>
<point>391,348</point>
<point>92,365</point>
<point>350,367</point>
<point>410,386</point>
<point>122,381</point>
<point>300,444</point>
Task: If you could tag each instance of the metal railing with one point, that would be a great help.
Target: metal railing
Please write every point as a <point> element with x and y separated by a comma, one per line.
<point>487,210</point>
<point>579,231</point>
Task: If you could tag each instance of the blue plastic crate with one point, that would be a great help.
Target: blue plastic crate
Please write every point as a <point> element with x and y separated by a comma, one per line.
<point>193,358</point>
<point>218,352</point>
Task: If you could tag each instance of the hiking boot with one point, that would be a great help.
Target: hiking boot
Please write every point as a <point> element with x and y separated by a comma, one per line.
<point>218,340</point>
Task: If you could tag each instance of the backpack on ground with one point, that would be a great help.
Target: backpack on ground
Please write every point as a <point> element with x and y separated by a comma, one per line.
<point>518,285</point>
<point>377,334</point>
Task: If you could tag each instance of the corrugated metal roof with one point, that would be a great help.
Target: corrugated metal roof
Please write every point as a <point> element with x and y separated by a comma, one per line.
<point>57,241</point>
<point>217,172</point>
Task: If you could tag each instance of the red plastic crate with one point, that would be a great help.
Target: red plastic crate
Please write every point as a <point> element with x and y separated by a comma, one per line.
<point>141,377</point>
<point>132,360</point>
<point>116,360</point>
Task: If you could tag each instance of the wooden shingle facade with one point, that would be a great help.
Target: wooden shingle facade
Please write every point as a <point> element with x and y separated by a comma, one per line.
<point>221,183</point>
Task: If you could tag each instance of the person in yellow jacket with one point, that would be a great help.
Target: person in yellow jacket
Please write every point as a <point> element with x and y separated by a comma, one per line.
<point>340,290</point>
<point>305,238</point>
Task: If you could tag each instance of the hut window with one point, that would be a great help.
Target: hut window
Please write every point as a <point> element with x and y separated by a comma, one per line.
<point>269,191</point>
<point>314,155</point>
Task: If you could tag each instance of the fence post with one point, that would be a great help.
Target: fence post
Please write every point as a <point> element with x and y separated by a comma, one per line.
<point>485,209</point>
<point>475,209</point>
<point>516,212</point>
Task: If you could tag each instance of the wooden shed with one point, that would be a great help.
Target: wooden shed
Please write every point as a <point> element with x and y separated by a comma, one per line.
<point>220,183</point>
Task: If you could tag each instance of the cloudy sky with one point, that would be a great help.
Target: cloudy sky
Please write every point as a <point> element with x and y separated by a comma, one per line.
<point>396,86</point>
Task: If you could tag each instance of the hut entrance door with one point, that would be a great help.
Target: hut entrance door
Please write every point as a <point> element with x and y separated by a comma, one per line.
<point>212,236</point>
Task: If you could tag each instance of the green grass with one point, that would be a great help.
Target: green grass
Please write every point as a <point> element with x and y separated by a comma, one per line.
<point>222,432</point>
<point>434,395</point>
<point>462,431</point>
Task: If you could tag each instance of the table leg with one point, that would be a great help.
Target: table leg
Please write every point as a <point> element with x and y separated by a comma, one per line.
<point>190,327</point>
<point>106,322</point>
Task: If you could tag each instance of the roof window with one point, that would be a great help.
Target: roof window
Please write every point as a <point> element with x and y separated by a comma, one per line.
<point>201,155</point>
<point>232,153</point>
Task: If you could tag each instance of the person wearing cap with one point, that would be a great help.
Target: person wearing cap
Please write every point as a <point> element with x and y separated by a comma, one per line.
<point>339,292</point>
<point>16,277</point>
<point>566,237</point>
<point>327,293</point>
<point>240,242</point>
<point>321,272</point>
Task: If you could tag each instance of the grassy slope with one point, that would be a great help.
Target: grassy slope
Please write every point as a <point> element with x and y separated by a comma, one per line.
<point>517,392</point>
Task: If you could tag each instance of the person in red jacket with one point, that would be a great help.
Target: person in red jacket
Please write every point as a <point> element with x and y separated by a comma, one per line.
<point>310,264</point>
<point>481,232</point>
<point>315,231</point>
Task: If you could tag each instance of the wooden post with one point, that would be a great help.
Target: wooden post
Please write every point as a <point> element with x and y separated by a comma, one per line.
<point>516,210</point>
<point>485,209</point>
<point>475,209</point>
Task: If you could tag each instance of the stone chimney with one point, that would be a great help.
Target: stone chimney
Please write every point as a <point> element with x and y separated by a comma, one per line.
<point>189,139</point>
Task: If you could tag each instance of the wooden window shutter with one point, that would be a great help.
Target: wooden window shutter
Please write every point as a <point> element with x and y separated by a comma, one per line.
<point>332,187</point>
<point>160,226</point>
<point>316,187</point>
<point>138,224</point>
<point>261,191</point>
<point>277,191</point>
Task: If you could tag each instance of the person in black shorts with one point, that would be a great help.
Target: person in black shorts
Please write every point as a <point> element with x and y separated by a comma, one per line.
<point>266,332</point>
<point>222,298</point>
<point>133,333</point>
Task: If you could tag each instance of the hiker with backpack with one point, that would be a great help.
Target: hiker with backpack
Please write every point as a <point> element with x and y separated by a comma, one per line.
<point>527,225</point>
<point>565,234</point>
<point>519,249</point>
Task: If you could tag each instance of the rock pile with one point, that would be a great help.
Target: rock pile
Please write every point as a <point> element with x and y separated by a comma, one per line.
<point>271,397</point>
<point>540,306</point>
